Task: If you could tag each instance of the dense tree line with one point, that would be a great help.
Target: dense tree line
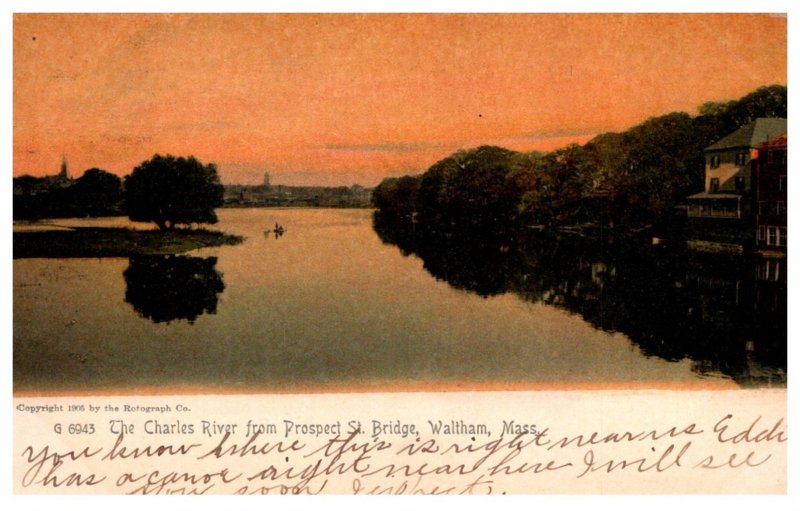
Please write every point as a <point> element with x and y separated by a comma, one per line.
<point>95,193</point>
<point>629,180</point>
<point>166,190</point>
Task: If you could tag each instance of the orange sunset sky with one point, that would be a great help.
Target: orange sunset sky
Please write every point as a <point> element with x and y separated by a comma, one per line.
<point>340,99</point>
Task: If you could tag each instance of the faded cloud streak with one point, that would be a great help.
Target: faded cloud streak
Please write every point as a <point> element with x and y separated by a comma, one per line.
<point>362,96</point>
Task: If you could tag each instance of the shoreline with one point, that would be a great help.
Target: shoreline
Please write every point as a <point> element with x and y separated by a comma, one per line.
<point>91,242</point>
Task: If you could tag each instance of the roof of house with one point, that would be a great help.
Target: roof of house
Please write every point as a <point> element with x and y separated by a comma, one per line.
<point>750,135</point>
<point>780,142</point>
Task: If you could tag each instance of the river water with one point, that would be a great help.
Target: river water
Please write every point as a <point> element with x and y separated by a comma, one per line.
<point>328,306</point>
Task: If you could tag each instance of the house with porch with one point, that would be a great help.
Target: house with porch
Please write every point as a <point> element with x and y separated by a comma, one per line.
<point>721,217</point>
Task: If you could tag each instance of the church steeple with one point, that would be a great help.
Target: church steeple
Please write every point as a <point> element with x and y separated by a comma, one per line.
<point>64,174</point>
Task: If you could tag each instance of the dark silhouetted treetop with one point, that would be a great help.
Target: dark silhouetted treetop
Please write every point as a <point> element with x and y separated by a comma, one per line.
<point>172,191</point>
<point>98,192</point>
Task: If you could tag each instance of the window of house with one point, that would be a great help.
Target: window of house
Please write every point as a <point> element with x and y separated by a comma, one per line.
<point>714,161</point>
<point>780,208</point>
<point>762,207</point>
<point>772,236</point>
<point>762,233</point>
<point>740,158</point>
<point>739,183</point>
<point>770,270</point>
<point>769,156</point>
<point>773,271</point>
<point>782,183</point>
<point>776,236</point>
<point>714,184</point>
<point>761,270</point>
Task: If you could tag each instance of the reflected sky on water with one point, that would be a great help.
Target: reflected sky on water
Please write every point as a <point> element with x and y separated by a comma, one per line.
<point>329,305</point>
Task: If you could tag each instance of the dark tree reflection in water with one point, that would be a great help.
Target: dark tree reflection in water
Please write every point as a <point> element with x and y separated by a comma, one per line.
<point>727,314</point>
<point>168,288</point>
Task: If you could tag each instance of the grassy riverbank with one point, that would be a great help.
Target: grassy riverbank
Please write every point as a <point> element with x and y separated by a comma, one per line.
<point>115,242</point>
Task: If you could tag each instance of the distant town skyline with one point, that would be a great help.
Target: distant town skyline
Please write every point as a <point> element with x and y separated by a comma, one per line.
<point>338,99</point>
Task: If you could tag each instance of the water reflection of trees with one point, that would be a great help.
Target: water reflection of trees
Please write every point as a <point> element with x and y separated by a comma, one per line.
<point>720,312</point>
<point>169,287</point>
<point>481,264</point>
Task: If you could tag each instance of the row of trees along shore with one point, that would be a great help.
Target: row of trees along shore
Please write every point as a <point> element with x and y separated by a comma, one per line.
<point>630,181</point>
<point>166,190</point>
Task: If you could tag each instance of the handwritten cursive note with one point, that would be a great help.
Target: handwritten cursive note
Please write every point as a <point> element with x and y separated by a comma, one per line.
<point>214,449</point>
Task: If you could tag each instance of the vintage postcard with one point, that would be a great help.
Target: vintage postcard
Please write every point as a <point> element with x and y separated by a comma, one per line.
<point>400,253</point>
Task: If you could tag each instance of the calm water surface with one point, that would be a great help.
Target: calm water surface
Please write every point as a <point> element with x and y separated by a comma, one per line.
<point>326,306</point>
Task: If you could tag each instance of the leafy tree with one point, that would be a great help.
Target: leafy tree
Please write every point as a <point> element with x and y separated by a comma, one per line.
<point>768,101</point>
<point>26,204</point>
<point>717,120</point>
<point>171,191</point>
<point>662,166</point>
<point>559,181</point>
<point>97,192</point>
<point>433,204</point>
<point>715,107</point>
<point>26,184</point>
<point>396,198</point>
<point>473,190</point>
